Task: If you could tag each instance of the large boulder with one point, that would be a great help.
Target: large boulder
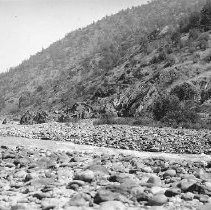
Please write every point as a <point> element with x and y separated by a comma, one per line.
<point>38,117</point>
<point>41,117</point>
<point>4,121</point>
<point>27,118</point>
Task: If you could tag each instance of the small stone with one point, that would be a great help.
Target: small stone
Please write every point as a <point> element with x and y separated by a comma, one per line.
<point>202,198</point>
<point>87,176</point>
<point>40,195</point>
<point>206,207</point>
<point>136,191</point>
<point>154,181</point>
<point>28,177</point>
<point>103,196</point>
<point>20,174</point>
<point>74,185</point>
<point>147,169</point>
<point>175,200</point>
<point>187,196</point>
<point>18,207</point>
<point>125,178</point>
<point>112,205</point>
<point>185,184</point>
<point>170,173</point>
<point>172,192</point>
<point>98,168</point>
<point>156,190</point>
<point>142,197</point>
<point>158,200</point>
<point>157,208</point>
<point>119,167</point>
<point>79,200</point>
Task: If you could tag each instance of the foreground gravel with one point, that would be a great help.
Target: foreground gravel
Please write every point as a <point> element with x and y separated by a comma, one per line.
<point>167,140</point>
<point>37,178</point>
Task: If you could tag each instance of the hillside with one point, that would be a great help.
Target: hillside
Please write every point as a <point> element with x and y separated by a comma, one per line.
<point>119,65</point>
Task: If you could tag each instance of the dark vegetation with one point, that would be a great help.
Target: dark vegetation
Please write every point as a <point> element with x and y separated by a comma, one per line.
<point>148,65</point>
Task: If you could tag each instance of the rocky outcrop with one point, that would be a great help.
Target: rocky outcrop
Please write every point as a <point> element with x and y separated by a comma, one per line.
<point>80,110</point>
<point>30,118</point>
<point>27,118</point>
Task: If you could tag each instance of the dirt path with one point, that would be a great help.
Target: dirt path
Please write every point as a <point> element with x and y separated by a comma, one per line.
<point>68,146</point>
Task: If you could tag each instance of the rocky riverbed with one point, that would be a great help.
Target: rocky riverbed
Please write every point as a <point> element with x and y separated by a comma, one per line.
<point>40,178</point>
<point>137,138</point>
<point>53,168</point>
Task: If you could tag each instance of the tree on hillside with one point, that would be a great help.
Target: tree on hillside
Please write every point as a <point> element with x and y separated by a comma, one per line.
<point>194,20</point>
<point>206,16</point>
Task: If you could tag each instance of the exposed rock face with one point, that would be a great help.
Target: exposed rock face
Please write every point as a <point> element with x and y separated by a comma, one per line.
<point>80,110</point>
<point>167,29</point>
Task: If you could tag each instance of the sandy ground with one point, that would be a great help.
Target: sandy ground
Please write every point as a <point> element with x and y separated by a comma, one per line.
<point>68,146</point>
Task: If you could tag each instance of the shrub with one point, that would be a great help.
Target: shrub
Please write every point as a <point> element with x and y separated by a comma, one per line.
<point>196,57</point>
<point>189,22</point>
<point>39,88</point>
<point>176,37</point>
<point>146,121</point>
<point>192,47</point>
<point>184,91</point>
<point>183,25</point>
<point>207,58</point>
<point>163,105</point>
<point>182,116</point>
<point>193,34</point>
<point>194,20</point>
<point>205,95</point>
<point>170,61</point>
<point>106,120</point>
<point>202,41</point>
<point>206,16</point>
<point>158,58</point>
<point>2,103</point>
<point>168,76</point>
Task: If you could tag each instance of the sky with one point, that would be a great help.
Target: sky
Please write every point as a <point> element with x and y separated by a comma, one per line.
<point>27,26</point>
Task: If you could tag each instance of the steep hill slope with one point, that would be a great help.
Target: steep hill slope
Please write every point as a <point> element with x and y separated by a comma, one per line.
<point>119,64</point>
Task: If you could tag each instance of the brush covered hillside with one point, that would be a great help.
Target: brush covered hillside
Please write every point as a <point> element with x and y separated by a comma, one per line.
<point>149,60</point>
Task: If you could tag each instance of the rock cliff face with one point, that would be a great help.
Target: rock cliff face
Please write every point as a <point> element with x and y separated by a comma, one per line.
<point>116,66</point>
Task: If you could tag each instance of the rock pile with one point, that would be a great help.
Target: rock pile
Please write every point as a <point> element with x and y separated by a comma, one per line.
<point>118,136</point>
<point>43,179</point>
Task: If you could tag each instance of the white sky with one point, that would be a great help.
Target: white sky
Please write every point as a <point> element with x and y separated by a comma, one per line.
<point>28,25</point>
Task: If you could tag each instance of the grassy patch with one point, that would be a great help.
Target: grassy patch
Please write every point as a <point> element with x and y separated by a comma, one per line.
<point>114,121</point>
